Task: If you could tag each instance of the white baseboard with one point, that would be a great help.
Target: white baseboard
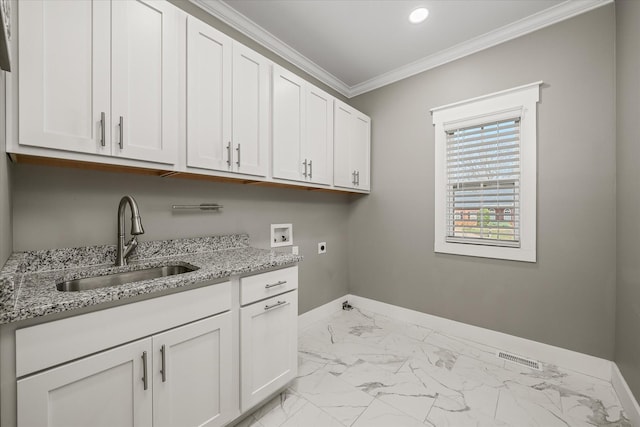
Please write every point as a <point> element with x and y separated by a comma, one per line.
<point>319,313</point>
<point>579,362</point>
<point>629,402</point>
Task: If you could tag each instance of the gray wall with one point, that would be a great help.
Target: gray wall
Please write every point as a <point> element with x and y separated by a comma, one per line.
<point>627,354</point>
<point>567,298</point>
<point>6,231</point>
<point>196,11</point>
<point>57,207</point>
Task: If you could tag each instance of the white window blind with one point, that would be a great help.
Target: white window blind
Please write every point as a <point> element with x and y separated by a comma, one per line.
<point>483,184</point>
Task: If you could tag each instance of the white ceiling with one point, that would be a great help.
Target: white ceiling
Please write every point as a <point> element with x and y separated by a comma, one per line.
<point>358,45</point>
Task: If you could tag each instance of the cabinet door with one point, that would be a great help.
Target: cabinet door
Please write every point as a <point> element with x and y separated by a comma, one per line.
<point>318,141</point>
<point>360,150</point>
<point>144,120</point>
<point>268,346</point>
<point>250,111</point>
<point>343,170</point>
<point>64,82</point>
<point>103,390</point>
<point>288,124</point>
<point>192,374</point>
<point>208,97</point>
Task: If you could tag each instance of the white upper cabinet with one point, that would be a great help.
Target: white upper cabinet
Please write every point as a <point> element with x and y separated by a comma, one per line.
<point>352,145</point>
<point>227,103</point>
<point>208,97</point>
<point>99,77</point>
<point>140,83</point>
<point>144,120</point>
<point>64,81</point>
<point>302,129</point>
<point>288,124</point>
<point>250,111</point>
<point>317,145</point>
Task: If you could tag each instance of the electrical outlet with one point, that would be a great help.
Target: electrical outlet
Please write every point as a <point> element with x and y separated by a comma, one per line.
<point>322,247</point>
<point>294,250</point>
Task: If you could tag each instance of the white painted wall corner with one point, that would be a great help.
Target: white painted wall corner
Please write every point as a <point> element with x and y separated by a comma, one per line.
<point>305,320</point>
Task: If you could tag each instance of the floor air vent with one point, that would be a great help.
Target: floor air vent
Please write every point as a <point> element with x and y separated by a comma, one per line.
<point>529,363</point>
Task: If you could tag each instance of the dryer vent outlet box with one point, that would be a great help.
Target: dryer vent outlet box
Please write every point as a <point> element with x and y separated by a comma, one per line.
<point>281,235</point>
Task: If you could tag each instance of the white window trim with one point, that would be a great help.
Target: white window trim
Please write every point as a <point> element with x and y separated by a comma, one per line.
<point>522,99</point>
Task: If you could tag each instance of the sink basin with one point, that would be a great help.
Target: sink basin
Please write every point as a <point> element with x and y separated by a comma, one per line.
<point>116,279</point>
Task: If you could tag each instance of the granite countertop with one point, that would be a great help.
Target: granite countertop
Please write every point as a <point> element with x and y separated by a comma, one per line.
<point>28,279</point>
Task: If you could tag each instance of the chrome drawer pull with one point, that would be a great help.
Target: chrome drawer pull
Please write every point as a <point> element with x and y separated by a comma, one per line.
<point>278,283</point>
<point>229,154</point>
<point>103,142</point>
<point>278,304</point>
<point>145,379</point>
<point>163,371</point>
<point>121,143</point>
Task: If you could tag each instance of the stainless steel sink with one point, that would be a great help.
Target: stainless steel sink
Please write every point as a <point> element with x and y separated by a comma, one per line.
<point>116,279</point>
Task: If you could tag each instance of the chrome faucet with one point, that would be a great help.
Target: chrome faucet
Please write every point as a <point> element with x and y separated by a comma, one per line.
<point>124,250</point>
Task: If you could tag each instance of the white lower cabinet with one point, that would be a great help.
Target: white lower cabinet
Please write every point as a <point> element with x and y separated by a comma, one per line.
<point>104,390</point>
<point>202,357</point>
<point>176,378</point>
<point>191,375</point>
<point>268,347</point>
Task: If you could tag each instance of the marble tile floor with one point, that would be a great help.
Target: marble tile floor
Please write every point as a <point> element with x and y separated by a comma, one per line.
<point>365,370</point>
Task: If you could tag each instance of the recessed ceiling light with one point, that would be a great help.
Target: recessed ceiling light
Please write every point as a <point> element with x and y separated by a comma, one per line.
<point>418,15</point>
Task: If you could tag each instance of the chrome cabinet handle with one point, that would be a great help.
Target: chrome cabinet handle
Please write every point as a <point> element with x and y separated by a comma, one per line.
<point>278,283</point>
<point>358,178</point>
<point>278,304</point>
<point>122,136</point>
<point>145,379</point>
<point>163,369</point>
<point>229,154</point>
<point>102,130</point>
<point>310,168</point>
<point>305,168</point>
<point>353,177</point>
<point>238,150</point>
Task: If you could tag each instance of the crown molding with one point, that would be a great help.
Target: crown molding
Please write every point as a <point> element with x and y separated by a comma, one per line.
<point>545,18</point>
<point>236,20</point>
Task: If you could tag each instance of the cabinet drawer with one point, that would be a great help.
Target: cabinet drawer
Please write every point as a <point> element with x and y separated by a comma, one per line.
<point>265,285</point>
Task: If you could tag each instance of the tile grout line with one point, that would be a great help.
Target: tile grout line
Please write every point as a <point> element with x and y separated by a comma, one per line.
<point>426,418</point>
<point>495,412</point>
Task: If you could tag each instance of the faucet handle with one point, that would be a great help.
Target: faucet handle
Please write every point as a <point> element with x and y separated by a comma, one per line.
<point>130,246</point>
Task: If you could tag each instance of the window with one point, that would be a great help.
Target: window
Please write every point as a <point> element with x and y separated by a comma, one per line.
<point>483,176</point>
<point>485,195</point>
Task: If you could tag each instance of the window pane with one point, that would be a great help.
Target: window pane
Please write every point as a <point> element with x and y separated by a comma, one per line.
<point>483,190</point>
